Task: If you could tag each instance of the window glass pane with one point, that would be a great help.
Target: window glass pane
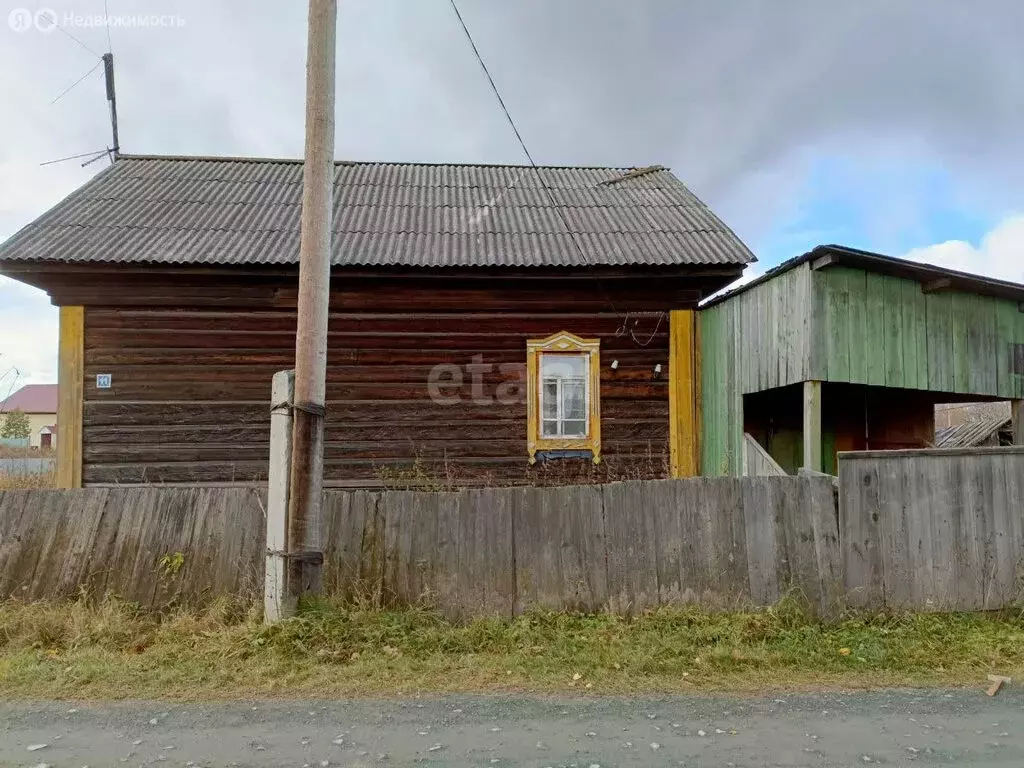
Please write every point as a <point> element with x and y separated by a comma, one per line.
<point>550,399</point>
<point>574,404</point>
<point>563,366</point>
<point>550,428</point>
<point>574,428</point>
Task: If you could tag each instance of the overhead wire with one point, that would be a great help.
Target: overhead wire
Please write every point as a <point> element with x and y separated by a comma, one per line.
<point>68,90</point>
<point>522,143</point>
<point>95,155</point>
<point>68,34</point>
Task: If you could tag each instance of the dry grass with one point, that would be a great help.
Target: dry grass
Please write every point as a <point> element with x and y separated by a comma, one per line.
<point>442,475</point>
<point>112,649</point>
<point>17,480</point>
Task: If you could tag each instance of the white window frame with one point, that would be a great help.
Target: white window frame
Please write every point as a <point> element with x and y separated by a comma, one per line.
<point>559,416</point>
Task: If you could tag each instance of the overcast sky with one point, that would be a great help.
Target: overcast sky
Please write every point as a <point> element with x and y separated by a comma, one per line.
<point>893,125</point>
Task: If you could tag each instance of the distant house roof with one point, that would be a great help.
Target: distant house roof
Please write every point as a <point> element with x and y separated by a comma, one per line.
<point>32,398</point>
<point>971,433</point>
<point>245,211</point>
<point>825,256</point>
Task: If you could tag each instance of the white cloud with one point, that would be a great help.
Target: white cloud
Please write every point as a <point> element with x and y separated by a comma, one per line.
<point>1000,253</point>
<point>751,273</point>
<point>28,336</point>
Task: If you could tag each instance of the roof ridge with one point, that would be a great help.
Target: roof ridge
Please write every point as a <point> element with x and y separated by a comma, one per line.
<point>300,161</point>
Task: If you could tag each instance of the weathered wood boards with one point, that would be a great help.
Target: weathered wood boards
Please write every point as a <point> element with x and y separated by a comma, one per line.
<point>933,529</point>
<point>431,390</point>
<point>624,547</point>
<point>915,529</point>
<point>125,541</point>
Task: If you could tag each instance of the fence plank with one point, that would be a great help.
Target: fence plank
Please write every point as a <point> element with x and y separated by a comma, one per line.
<point>694,527</point>
<point>858,520</point>
<point>893,531</point>
<point>1007,528</point>
<point>760,500</point>
<point>921,529</point>
<point>663,507</point>
<point>951,526</point>
<point>486,581</point>
<point>825,539</point>
<point>632,559</point>
<point>445,575</point>
<point>727,539</point>
<point>560,549</point>
<point>536,518</point>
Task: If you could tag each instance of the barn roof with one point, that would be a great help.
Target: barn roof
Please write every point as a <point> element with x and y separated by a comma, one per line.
<point>245,211</point>
<point>972,433</point>
<point>939,278</point>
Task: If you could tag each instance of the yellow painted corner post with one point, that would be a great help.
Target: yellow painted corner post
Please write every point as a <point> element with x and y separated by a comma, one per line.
<point>682,399</point>
<point>70,380</point>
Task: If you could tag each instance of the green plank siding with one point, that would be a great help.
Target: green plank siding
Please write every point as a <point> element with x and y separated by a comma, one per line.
<point>1006,323</point>
<point>734,401</point>
<point>715,387</point>
<point>755,341</point>
<point>816,342</point>
<point>837,326</point>
<point>961,314</point>
<point>874,342</point>
<point>840,324</point>
<point>897,336</point>
<point>857,283</point>
<point>908,330</point>
<point>981,345</point>
<point>917,300</point>
<point>892,339</point>
<point>939,321</point>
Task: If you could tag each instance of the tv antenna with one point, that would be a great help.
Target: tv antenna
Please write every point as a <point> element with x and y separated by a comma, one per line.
<point>114,150</point>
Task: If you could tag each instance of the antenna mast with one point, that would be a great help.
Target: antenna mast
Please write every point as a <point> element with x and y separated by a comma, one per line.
<point>108,72</point>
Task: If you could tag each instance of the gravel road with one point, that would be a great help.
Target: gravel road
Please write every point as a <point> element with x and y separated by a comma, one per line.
<point>912,728</point>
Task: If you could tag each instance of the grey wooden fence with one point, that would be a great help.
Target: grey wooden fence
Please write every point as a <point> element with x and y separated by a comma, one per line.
<point>623,547</point>
<point>938,529</point>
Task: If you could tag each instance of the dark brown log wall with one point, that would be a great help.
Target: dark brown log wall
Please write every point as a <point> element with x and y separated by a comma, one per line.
<point>191,387</point>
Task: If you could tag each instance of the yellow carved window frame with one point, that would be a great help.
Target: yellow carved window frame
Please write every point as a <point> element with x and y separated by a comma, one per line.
<point>563,343</point>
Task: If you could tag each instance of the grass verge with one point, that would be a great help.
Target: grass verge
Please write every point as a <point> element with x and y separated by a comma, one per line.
<point>113,650</point>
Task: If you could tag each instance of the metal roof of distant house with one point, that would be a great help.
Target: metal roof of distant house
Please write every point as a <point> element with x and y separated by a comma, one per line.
<point>32,398</point>
<point>245,211</point>
<point>825,256</point>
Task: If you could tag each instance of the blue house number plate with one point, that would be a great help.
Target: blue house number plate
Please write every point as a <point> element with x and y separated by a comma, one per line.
<point>103,380</point>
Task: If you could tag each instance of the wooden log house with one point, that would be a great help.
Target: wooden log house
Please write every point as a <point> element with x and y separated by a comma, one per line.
<point>489,324</point>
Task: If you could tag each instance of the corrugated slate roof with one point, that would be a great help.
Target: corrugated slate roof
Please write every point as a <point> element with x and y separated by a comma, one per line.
<point>190,210</point>
<point>32,398</point>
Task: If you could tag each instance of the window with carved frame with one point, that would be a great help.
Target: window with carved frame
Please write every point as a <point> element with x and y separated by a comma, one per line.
<point>563,396</point>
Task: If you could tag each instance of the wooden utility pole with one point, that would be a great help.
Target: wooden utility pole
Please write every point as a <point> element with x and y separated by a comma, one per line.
<point>306,485</point>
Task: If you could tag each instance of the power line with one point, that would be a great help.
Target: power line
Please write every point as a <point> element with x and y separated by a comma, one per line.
<point>67,90</point>
<point>519,137</point>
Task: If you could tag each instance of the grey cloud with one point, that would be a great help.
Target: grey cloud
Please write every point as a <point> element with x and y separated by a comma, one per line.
<point>730,93</point>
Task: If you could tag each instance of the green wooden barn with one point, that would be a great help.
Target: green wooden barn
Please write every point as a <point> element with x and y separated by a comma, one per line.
<point>841,350</point>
